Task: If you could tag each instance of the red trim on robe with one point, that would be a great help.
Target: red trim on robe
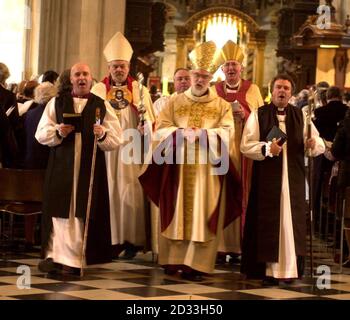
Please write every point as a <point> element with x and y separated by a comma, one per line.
<point>161,182</point>
<point>240,96</point>
<point>129,81</point>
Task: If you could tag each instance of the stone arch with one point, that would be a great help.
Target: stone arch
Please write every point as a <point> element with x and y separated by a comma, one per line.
<point>252,25</point>
<point>254,46</point>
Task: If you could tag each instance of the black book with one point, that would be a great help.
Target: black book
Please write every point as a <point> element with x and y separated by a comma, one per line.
<point>277,133</point>
<point>74,119</point>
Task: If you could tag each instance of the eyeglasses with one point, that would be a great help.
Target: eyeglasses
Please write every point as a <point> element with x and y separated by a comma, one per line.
<point>231,64</point>
<point>199,75</point>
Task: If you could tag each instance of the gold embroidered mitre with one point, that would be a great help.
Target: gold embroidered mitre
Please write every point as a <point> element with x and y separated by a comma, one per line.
<point>231,51</point>
<point>118,48</point>
<point>205,57</point>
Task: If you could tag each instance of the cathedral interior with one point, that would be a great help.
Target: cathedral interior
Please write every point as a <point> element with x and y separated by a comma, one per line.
<point>277,36</point>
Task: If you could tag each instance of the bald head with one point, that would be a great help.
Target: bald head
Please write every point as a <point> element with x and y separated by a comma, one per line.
<point>81,78</point>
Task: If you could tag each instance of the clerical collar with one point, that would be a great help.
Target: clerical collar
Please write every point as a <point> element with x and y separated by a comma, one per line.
<point>202,95</point>
<point>281,111</point>
<point>114,84</point>
<point>234,87</point>
<point>84,96</point>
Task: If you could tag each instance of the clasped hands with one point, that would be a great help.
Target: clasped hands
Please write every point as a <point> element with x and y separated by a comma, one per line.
<point>192,134</point>
<point>237,111</point>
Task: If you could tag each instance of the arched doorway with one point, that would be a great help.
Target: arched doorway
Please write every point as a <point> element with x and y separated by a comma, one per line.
<point>221,24</point>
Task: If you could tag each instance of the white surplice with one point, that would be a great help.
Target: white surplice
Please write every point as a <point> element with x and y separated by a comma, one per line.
<point>286,267</point>
<point>65,245</point>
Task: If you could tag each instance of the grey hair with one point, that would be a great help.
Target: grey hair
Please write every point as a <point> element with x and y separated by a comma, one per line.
<point>44,92</point>
<point>4,73</point>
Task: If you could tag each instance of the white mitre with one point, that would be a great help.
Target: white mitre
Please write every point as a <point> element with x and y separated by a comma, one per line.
<point>118,48</point>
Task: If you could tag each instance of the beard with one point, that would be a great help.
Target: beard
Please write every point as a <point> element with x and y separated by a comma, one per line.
<point>199,92</point>
<point>119,77</point>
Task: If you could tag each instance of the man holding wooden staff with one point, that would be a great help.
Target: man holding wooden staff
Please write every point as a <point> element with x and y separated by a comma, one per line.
<point>68,126</point>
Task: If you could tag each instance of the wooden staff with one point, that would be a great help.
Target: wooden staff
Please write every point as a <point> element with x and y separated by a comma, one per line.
<point>88,208</point>
<point>311,105</point>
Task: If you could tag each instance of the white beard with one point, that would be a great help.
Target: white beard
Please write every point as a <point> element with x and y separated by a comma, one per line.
<point>197,92</point>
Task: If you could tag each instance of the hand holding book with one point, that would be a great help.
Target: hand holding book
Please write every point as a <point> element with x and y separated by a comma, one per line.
<point>73,119</point>
<point>278,134</point>
<point>65,129</point>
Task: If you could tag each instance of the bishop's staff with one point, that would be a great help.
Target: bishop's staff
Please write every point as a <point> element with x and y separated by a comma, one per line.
<point>311,106</point>
<point>88,208</point>
<point>141,108</point>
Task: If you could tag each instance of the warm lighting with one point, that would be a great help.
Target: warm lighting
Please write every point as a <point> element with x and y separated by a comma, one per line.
<point>165,91</point>
<point>220,29</point>
<point>329,46</point>
<point>12,27</point>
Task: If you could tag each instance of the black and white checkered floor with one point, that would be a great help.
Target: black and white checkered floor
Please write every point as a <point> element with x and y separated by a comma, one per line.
<point>142,279</point>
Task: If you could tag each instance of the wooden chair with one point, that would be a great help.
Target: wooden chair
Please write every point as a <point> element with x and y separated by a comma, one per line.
<point>21,193</point>
<point>344,214</point>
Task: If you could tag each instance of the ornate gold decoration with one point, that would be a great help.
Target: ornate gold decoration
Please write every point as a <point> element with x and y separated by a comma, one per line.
<point>119,97</point>
<point>204,57</point>
<point>231,51</point>
<point>197,112</point>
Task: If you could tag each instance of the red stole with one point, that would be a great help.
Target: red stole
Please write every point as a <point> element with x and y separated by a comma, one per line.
<point>240,95</point>
<point>246,164</point>
<point>161,182</point>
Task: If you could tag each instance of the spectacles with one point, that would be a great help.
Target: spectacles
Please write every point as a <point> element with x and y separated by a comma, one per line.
<point>231,64</point>
<point>199,75</point>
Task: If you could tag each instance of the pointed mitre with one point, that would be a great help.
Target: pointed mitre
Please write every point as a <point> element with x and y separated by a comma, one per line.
<point>205,57</point>
<point>231,51</point>
<point>118,48</point>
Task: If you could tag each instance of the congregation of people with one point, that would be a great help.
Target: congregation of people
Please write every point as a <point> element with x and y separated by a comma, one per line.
<point>247,204</point>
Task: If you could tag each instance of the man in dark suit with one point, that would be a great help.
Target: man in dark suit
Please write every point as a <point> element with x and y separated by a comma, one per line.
<point>8,146</point>
<point>7,98</point>
<point>326,121</point>
<point>328,117</point>
<point>8,104</point>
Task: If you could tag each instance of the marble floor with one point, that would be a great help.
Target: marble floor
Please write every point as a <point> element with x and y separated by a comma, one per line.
<point>142,279</point>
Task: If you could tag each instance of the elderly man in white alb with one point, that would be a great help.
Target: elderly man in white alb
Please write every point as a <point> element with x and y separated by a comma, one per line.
<point>127,201</point>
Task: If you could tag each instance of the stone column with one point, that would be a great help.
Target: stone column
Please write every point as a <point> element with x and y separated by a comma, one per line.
<point>259,65</point>
<point>73,31</point>
<point>31,63</point>
<point>181,55</point>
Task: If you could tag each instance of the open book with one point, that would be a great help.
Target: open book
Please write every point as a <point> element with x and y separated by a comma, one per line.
<point>74,119</point>
<point>277,133</point>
